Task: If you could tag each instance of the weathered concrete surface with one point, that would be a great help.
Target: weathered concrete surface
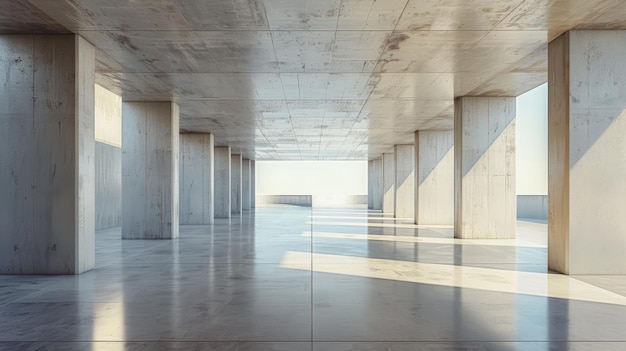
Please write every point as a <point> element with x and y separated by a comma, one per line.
<point>236,184</point>
<point>108,183</point>
<point>197,178</point>
<point>370,184</point>
<point>389,181</point>
<point>377,199</point>
<point>357,70</point>
<point>252,184</point>
<point>150,197</point>
<point>222,182</point>
<point>108,158</point>
<point>484,167</point>
<point>405,181</point>
<point>245,187</point>
<point>47,192</point>
<point>434,177</point>
<point>586,153</point>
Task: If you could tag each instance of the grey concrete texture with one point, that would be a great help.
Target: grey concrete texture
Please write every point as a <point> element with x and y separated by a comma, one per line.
<point>532,206</point>
<point>389,181</point>
<point>405,181</point>
<point>108,159</point>
<point>246,185</point>
<point>434,177</point>
<point>586,153</point>
<point>343,65</point>
<point>197,178</point>
<point>47,197</point>
<point>150,185</point>
<point>222,182</point>
<point>252,184</point>
<point>484,168</point>
<point>370,184</point>
<point>236,184</point>
<point>377,196</point>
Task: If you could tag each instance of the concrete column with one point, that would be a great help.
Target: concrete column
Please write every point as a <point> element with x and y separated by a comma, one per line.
<point>252,184</point>
<point>434,177</point>
<point>150,142</point>
<point>245,187</point>
<point>405,181</point>
<point>47,181</point>
<point>222,181</point>
<point>197,178</point>
<point>236,184</point>
<point>587,152</point>
<point>484,167</point>
<point>370,184</point>
<point>389,181</point>
<point>377,199</point>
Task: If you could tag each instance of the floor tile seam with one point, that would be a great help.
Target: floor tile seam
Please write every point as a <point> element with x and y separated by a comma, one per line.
<point>157,341</point>
<point>469,341</point>
<point>299,342</point>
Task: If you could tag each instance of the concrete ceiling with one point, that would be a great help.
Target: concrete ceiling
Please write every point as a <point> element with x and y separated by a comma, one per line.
<point>315,79</point>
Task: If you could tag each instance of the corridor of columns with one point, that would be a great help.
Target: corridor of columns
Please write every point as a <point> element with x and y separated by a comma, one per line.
<point>302,278</point>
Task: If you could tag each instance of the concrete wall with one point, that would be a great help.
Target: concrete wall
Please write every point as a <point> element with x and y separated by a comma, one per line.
<point>245,185</point>
<point>405,181</point>
<point>484,161</point>
<point>150,143</point>
<point>222,182</point>
<point>108,117</point>
<point>47,196</point>
<point>339,201</point>
<point>236,184</point>
<point>296,200</point>
<point>108,183</point>
<point>532,206</point>
<point>196,173</point>
<point>587,158</point>
<point>377,196</point>
<point>370,184</point>
<point>389,181</point>
<point>434,177</point>
<point>108,158</point>
<point>252,184</point>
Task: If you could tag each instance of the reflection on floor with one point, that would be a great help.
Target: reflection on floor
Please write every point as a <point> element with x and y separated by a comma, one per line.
<point>292,278</point>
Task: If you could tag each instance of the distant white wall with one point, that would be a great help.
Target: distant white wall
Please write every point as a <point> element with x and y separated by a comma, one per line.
<point>311,177</point>
<point>532,142</point>
<point>108,117</point>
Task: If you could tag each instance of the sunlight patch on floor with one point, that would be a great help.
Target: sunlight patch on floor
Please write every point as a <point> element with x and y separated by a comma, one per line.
<point>495,280</point>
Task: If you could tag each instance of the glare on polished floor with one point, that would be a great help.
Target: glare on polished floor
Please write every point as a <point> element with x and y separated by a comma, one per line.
<point>293,278</point>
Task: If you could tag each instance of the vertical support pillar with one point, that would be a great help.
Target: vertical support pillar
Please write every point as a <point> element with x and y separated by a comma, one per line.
<point>245,188</point>
<point>370,184</point>
<point>484,167</point>
<point>389,181</point>
<point>47,191</point>
<point>222,181</point>
<point>236,183</point>
<point>405,180</point>
<point>150,142</point>
<point>377,200</point>
<point>252,184</point>
<point>434,177</point>
<point>586,152</point>
<point>197,174</point>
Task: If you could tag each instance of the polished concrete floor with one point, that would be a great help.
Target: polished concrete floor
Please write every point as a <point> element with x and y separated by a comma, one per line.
<point>292,278</point>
